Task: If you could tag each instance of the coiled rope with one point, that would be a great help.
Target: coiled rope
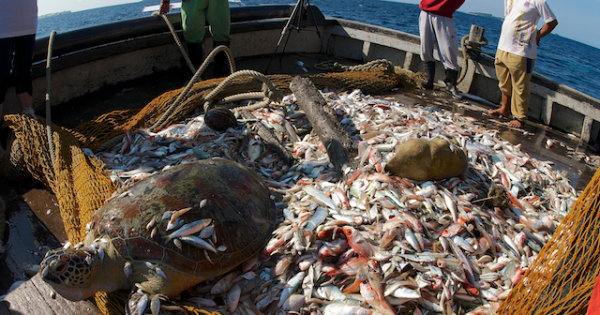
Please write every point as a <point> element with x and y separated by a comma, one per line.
<point>269,92</point>
<point>195,78</point>
<point>475,46</point>
<point>337,67</point>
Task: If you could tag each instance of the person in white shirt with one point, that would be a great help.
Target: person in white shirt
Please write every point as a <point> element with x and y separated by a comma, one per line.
<point>18,27</point>
<point>517,51</point>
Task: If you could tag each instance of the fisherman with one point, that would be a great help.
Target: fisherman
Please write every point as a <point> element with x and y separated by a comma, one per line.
<point>194,14</point>
<point>517,51</point>
<point>18,26</point>
<point>437,25</point>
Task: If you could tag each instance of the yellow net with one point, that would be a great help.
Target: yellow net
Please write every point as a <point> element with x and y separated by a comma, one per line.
<point>79,181</point>
<point>561,279</point>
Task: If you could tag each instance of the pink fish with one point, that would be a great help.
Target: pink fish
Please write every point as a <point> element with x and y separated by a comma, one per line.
<point>358,243</point>
<point>333,248</point>
<point>452,230</point>
<point>350,268</point>
<point>413,221</point>
<point>253,150</point>
<point>371,296</point>
<point>233,298</point>
<point>519,273</point>
<point>339,194</point>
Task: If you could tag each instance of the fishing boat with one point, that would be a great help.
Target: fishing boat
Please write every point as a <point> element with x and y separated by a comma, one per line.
<point>124,65</point>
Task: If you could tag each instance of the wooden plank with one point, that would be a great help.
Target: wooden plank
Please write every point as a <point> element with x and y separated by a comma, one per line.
<point>45,207</point>
<point>37,297</point>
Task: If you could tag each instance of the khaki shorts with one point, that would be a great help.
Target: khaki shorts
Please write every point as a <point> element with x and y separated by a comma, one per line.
<point>514,74</point>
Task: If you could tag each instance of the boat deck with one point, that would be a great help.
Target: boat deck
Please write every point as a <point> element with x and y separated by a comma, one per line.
<point>34,225</point>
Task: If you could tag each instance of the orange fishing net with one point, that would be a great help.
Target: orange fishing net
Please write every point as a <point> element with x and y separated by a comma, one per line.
<point>562,278</point>
<point>79,181</point>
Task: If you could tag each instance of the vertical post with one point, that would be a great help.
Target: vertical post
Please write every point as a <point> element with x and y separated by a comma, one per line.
<point>464,84</point>
<point>476,34</point>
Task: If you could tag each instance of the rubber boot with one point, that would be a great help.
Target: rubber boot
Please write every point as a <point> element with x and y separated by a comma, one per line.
<point>451,77</point>
<point>429,70</point>
<point>221,68</point>
<point>195,54</point>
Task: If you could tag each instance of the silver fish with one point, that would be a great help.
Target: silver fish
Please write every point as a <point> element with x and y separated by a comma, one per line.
<point>190,228</point>
<point>197,242</point>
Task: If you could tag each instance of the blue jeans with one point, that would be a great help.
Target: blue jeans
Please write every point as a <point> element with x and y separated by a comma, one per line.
<point>16,57</point>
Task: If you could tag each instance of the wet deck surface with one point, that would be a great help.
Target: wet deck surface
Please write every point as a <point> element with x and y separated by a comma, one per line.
<point>33,224</point>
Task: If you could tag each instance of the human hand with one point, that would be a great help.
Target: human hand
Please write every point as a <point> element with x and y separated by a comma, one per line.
<point>538,37</point>
<point>165,7</point>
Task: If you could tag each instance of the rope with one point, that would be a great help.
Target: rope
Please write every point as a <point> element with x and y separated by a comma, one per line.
<point>335,66</point>
<point>269,91</point>
<point>466,44</point>
<point>48,103</point>
<point>188,87</point>
<point>185,55</point>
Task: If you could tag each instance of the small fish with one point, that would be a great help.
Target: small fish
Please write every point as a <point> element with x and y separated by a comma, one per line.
<point>160,272</point>
<point>320,196</point>
<point>358,243</point>
<point>155,304</point>
<point>127,269</point>
<point>197,242</point>
<point>381,305</point>
<point>190,228</point>
<point>207,232</point>
<point>142,304</point>
<point>412,239</point>
<point>291,287</point>
<point>151,223</point>
<point>177,214</point>
<point>406,293</point>
<point>316,219</point>
<point>233,298</point>
<point>224,284</point>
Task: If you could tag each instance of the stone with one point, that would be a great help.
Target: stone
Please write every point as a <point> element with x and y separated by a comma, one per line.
<point>423,159</point>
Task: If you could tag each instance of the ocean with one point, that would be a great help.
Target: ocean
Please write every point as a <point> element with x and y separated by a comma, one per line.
<point>563,60</point>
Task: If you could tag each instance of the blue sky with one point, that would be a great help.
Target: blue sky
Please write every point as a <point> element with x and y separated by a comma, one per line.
<point>577,19</point>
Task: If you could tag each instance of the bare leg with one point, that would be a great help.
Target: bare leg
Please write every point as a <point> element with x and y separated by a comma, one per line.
<point>504,110</point>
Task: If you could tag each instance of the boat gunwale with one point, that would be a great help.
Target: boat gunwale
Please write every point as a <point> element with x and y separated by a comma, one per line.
<point>152,32</point>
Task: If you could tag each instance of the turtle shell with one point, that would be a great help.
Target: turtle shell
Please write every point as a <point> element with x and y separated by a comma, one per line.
<point>237,201</point>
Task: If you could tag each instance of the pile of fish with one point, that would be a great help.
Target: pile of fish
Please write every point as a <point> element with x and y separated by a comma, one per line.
<point>372,243</point>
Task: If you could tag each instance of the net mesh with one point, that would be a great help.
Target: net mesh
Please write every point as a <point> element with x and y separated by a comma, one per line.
<point>562,278</point>
<point>80,182</point>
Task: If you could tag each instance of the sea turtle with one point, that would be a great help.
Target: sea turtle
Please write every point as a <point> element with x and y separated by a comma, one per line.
<point>134,240</point>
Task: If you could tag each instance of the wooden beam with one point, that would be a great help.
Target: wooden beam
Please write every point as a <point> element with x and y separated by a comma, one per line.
<point>341,149</point>
<point>36,297</point>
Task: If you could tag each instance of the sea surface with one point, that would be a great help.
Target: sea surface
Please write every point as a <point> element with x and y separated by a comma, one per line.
<point>563,60</point>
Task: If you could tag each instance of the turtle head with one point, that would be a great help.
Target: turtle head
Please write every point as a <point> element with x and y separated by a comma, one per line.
<point>70,272</point>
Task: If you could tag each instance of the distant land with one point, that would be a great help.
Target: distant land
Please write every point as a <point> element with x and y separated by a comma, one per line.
<point>484,14</point>
<point>53,14</point>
